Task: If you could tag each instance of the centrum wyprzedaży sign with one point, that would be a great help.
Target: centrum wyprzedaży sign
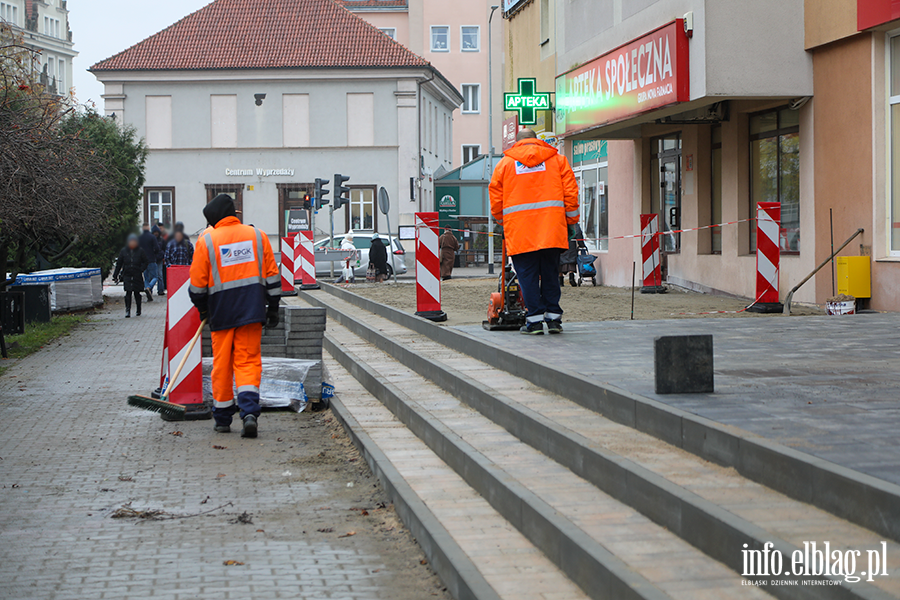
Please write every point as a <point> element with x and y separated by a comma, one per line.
<point>527,101</point>
<point>643,75</point>
<point>259,172</point>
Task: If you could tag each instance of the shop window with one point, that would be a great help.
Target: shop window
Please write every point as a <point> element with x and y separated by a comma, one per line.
<point>440,38</point>
<point>716,191</point>
<point>894,101</point>
<point>471,41</point>
<point>775,171</point>
<point>594,209</point>
<point>159,206</point>
<point>236,191</point>
<point>471,93</point>
<point>470,152</point>
<point>361,213</point>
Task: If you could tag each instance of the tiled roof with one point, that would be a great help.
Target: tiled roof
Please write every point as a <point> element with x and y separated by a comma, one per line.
<point>359,4</point>
<point>270,34</point>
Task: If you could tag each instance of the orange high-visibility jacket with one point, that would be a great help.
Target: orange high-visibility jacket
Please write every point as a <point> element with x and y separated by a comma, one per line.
<point>234,274</point>
<point>535,196</point>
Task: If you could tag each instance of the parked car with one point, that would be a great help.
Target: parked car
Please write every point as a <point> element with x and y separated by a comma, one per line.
<point>362,241</point>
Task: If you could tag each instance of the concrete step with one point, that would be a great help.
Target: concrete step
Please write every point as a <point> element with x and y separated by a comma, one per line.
<point>609,549</point>
<point>713,508</point>
<point>477,553</point>
<point>857,497</point>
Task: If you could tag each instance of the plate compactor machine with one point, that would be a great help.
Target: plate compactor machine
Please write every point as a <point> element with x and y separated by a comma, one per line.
<point>506,310</point>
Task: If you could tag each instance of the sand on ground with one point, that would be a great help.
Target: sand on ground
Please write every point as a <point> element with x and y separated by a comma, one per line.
<point>465,301</point>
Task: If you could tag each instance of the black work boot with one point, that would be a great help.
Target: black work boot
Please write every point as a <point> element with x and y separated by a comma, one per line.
<point>223,428</point>
<point>249,427</point>
<point>128,313</point>
<point>572,280</point>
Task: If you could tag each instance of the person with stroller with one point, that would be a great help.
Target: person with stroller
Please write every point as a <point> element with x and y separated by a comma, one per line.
<point>568,260</point>
<point>130,269</point>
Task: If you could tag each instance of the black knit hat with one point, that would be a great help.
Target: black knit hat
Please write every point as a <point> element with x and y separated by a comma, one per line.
<point>220,207</point>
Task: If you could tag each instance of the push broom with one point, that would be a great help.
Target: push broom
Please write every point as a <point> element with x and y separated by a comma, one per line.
<point>170,410</point>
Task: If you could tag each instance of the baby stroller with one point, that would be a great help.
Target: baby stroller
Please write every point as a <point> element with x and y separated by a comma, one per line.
<point>586,269</point>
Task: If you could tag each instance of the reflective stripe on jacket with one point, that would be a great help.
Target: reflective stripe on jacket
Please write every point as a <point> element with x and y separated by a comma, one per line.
<point>234,274</point>
<point>534,195</point>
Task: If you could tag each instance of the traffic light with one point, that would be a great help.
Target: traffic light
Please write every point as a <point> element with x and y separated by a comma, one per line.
<point>307,202</point>
<point>341,193</point>
<point>321,192</point>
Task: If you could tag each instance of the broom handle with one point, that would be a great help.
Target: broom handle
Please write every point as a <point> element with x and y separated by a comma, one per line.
<point>184,358</point>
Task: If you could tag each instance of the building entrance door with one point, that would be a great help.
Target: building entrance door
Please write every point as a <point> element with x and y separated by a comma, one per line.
<point>292,214</point>
<point>666,191</point>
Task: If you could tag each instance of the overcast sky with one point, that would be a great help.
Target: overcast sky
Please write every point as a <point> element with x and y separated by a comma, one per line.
<point>101,28</point>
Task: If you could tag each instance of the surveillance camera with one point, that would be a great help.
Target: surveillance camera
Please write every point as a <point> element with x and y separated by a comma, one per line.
<point>259,98</point>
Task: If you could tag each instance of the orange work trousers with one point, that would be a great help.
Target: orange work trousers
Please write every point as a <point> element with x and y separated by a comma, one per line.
<point>237,360</point>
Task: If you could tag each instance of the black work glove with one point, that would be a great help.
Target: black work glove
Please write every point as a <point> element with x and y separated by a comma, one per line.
<point>272,314</point>
<point>204,312</point>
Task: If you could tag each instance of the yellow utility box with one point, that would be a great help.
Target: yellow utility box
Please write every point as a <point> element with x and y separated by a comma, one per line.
<point>854,276</point>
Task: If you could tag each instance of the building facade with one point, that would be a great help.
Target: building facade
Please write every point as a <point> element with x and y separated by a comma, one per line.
<point>222,116</point>
<point>44,26</point>
<point>697,110</point>
<point>453,36</point>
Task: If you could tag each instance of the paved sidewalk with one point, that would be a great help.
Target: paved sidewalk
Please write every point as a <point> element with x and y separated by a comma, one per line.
<point>72,452</point>
<point>829,386</point>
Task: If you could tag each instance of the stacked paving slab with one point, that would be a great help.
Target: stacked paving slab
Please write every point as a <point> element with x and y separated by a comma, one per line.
<point>299,334</point>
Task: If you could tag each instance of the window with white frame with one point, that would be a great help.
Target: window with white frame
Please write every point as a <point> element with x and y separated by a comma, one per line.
<point>51,27</point>
<point>9,13</point>
<point>471,93</point>
<point>391,32</point>
<point>471,38</point>
<point>440,38</point>
<point>470,152</point>
<point>61,80</point>
<point>159,205</point>
<point>894,111</point>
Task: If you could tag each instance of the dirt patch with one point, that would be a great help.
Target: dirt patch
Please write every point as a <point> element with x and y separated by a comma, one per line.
<point>465,302</point>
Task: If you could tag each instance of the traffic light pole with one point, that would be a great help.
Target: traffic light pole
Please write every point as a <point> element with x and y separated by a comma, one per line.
<point>331,235</point>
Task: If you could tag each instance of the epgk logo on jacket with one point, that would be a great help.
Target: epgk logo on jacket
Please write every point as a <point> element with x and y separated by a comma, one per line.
<point>523,170</point>
<point>237,253</point>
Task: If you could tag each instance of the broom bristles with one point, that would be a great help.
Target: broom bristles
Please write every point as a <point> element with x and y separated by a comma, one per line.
<point>175,412</point>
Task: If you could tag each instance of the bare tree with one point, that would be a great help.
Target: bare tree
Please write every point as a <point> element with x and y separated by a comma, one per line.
<point>53,186</point>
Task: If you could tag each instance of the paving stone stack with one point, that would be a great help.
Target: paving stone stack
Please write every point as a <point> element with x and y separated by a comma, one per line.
<point>298,334</point>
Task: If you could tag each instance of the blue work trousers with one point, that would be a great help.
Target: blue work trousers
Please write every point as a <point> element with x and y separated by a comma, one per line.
<point>538,273</point>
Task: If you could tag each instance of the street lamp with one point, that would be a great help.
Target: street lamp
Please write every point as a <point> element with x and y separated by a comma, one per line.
<point>491,139</point>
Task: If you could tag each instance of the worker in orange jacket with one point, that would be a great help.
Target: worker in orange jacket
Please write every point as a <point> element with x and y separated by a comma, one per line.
<point>236,285</point>
<point>534,195</point>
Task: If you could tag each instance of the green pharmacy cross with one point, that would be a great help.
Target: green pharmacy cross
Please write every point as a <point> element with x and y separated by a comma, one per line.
<point>527,101</point>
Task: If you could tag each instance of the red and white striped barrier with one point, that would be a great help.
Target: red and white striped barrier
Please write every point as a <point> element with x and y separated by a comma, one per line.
<point>182,322</point>
<point>428,268</point>
<point>288,269</point>
<point>306,252</point>
<point>768,257</point>
<point>652,269</point>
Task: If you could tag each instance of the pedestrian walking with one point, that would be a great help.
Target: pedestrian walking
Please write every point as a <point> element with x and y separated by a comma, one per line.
<point>378,258</point>
<point>568,260</point>
<point>179,226</point>
<point>130,269</point>
<point>162,238</point>
<point>534,195</point>
<point>179,250</point>
<point>448,245</point>
<point>235,284</point>
<point>150,245</point>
